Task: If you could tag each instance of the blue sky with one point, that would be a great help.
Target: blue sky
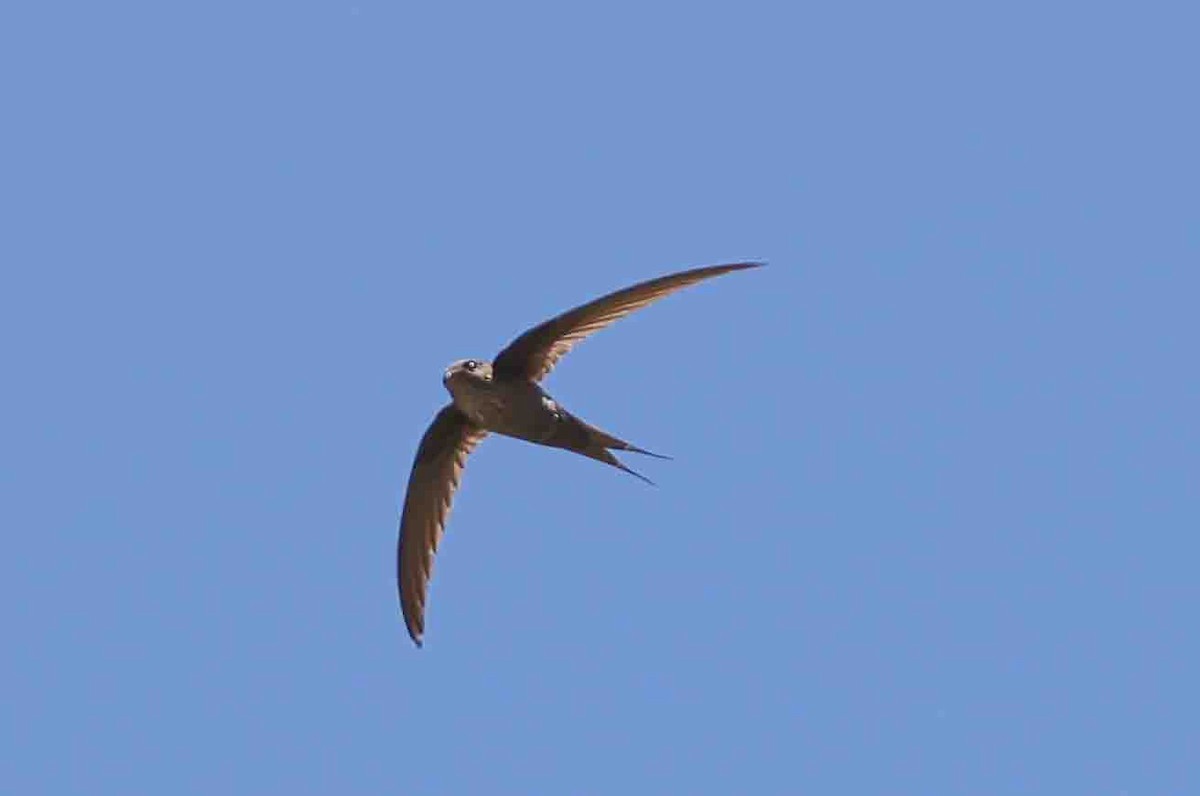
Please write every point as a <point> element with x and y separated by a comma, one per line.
<point>931,524</point>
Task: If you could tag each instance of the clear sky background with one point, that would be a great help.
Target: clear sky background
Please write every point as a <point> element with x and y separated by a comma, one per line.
<point>932,521</point>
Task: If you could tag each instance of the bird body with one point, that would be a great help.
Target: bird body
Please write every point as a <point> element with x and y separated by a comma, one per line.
<point>514,407</point>
<point>504,397</point>
<point>519,408</point>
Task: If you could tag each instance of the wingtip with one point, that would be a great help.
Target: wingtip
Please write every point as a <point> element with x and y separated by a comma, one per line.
<point>728,268</point>
<point>414,632</point>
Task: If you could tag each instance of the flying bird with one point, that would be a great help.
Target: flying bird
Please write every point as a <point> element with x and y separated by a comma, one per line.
<point>504,397</point>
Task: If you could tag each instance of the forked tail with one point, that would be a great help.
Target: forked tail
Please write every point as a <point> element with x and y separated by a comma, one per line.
<point>576,435</point>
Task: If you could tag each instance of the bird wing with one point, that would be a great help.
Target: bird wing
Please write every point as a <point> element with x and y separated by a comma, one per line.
<point>533,354</point>
<point>436,472</point>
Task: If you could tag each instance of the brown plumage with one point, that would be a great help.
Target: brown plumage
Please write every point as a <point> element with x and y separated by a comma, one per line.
<point>504,397</point>
<point>436,472</point>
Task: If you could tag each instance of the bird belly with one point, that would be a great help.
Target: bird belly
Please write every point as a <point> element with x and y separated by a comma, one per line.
<point>514,410</point>
<point>484,407</point>
<point>531,418</point>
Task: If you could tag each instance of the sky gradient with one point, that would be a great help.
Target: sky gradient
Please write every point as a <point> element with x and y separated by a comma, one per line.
<point>931,524</point>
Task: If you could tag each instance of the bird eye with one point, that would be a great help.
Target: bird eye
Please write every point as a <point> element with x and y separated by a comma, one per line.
<point>470,364</point>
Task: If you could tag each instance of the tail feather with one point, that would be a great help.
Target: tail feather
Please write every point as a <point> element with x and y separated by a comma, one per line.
<point>643,451</point>
<point>603,455</point>
<point>616,443</point>
<point>584,438</point>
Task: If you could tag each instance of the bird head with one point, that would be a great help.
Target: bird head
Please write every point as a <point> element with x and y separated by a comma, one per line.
<point>465,370</point>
